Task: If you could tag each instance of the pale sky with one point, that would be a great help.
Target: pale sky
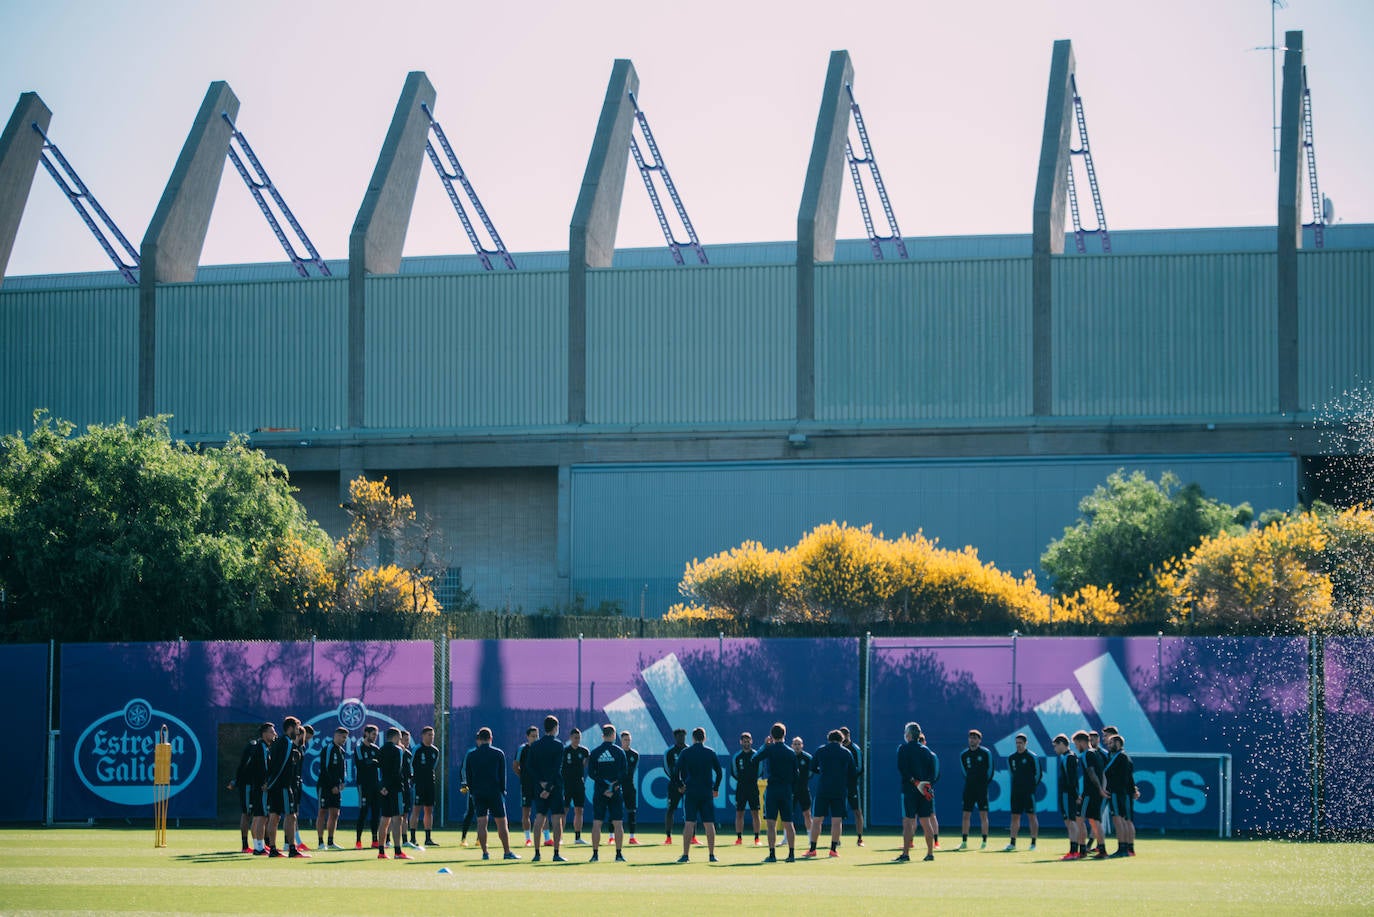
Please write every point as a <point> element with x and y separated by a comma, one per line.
<point>1178,109</point>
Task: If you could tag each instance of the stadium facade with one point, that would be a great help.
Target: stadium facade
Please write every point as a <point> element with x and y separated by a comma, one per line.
<point>587,424</point>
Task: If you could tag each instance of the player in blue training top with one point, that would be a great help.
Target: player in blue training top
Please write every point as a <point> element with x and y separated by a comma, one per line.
<point>1027,772</point>
<point>575,780</point>
<point>608,772</point>
<point>919,770</point>
<point>836,766</point>
<point>631,792</point>
<point>699,773</point>
<point>484,768</point>
<point>545,763</point>
<point>744,767</point>
<point>426,765</point>
<point>780,761</point>
<point>978,763</point>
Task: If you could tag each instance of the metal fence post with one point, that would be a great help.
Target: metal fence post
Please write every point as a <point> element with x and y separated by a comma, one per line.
<point>865,703</point>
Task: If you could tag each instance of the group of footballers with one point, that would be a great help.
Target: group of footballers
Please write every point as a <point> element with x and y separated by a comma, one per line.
<point>397,788</point>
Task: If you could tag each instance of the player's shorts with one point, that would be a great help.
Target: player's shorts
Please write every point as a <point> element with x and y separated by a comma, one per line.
<point>576,791</point>
<point>777,803</point>
<point>1022,801</point>
<point>699,808</point>
<point>483,806</point>
<point>631,797</point>
<point>279,802</point>
<point>1068,807</point>
<point>747,796</point>
<point>801,806</point>
<point>528,793</point>
<point>975,797</point>
<point>552,804</point>
<point>424,794</point>
<point>391,804</point>
<point>916,805</point>
<point>327,799</point>
<point>1123,804</point>
<point>369,797</point>
<point>608,809</point>
<point>853,798</point>
<point>1092,806</point>
<point>245,795</point>
<point>675,794</point>
<point>829,807</point>
<point>257,802</point>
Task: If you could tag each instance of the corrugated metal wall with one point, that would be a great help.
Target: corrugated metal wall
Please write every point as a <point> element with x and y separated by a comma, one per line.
<point>640,525</point>
<point>1165,335</point>
<point>73,352</point>
<point>700,345</point>
<point>467,350</point>
<point>247,356</point>
<point>1336,331</point>
<point>914,340</point>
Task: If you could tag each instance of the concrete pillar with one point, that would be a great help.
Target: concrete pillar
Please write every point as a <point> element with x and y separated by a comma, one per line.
<point>591,234</point>
<point>1290,219</point>
<point>820,206</point>
<point>176,235</point>
<point>379,232</point>
<point>563,548</point>
<point>1047,222</point>
<point>20,149</point>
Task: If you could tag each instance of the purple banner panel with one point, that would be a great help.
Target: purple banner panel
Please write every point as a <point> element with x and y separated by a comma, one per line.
<point>211,696</point>
<point>650,687</point>
<point>1180,704</point>
<point>1349,745</point>
<point>24,673</point>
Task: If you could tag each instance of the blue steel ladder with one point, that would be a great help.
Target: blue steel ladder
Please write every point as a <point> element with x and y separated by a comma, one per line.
<point>647,170</point>
<point>81,198</point>
<point>257,183</point>
<point>453,173</point>
<point>1079,233</point>
<point>867,159</point>
<point>1309,146</point>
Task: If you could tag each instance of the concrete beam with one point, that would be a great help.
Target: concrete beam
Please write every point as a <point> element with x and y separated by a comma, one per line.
<point>20,149</point>
<point>1047,222</point>
<point>596,216</point>
<point>379,232</point>
<point>817,216</point>
<point>171,247</point>
<point>1290,219</point>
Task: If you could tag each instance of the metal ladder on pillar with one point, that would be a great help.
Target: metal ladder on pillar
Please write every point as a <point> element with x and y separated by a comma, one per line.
<point>70,184</point>
<point>647,171</point>
<point>453,173</point>
<point>1079,233</point>
<point>258,182</point>
<point>1309,146</point>
<point>895,234</point>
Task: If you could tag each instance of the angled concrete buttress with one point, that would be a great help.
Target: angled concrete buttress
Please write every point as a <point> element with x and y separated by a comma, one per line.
<point>1047,222</point>
<point>20,149</point>
<point>1290,219</point>
<point>816,218</point>
<point>379,232</point>
<point>171,247</point>
<point>591,234</point>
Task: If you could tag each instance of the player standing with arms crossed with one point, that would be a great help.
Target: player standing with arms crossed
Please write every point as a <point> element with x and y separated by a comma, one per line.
<point>978,764</point>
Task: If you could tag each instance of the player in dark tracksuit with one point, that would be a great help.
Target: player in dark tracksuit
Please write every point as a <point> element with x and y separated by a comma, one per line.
<point>608,770</point>
<point>575,780</point>
<point>744,767</point>
<point>675,788</point>
<point>1070,778</point>
<point>852,791</point>
<point>1093,791</point>
<point>407,785</point>
<point>426,768</point>
<point>329,787</point>
<point>368,777</point>
<point>545,763</point>
<point>978,763</point>
<point>781,763</point>
<point>484,769</point>
<point>801,788</point>
<point>280,782</point>
<point>836,766</point>
<point>526,781</point>
<point>1120,776</point>
<point>699,773</point>
<point>918,769</point>
<point>391,769</point>
<point>631,784</point>
<point>1027,771</point>
<point>247,782</point>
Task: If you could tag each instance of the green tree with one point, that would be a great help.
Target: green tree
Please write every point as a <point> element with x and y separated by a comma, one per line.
<point>1130,528</point>
<point>121,533</point>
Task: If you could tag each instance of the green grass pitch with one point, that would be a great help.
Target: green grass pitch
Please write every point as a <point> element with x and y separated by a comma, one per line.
<point>112,870</point>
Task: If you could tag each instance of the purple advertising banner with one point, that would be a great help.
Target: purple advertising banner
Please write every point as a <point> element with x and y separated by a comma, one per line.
<point>1181,704</point>
<point>24,673</point>
<point>1349,746</point>
<point>210,696</point>
<point>650,687</point>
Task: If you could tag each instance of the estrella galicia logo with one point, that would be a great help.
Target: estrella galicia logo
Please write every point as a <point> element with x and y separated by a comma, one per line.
<point>114,756</point>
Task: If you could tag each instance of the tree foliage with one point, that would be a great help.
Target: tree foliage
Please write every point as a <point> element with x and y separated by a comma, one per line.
<point>121,533</point>
<point>379,519</point>
<point>1130,528</point>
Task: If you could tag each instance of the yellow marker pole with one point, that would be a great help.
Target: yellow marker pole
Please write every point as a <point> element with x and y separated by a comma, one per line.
<point>162,786</point>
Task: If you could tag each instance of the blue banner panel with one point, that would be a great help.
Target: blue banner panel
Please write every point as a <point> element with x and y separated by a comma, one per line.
<point>650,688</point>
<point>1349,745</point>
<point>24,674</point>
